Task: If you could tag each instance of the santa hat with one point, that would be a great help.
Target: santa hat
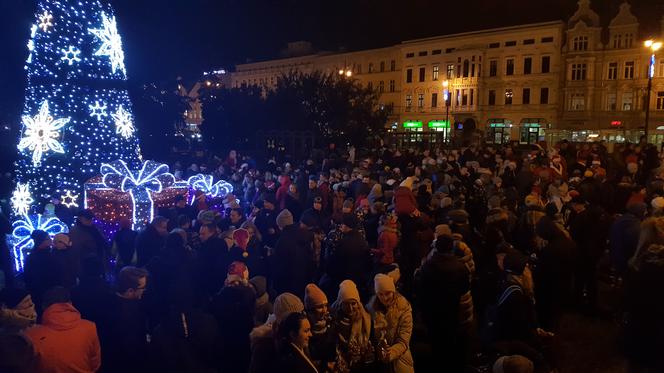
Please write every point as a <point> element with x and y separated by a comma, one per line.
<point>237,272</point>
<point>241,238</point>
<point>313,297</point>
<point>348,291</point>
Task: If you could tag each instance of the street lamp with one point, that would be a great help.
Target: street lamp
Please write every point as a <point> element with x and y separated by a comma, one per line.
<point>654,46</point>
<point>446,97</point>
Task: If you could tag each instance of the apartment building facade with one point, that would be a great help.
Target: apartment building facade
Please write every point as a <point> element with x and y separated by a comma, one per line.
<point>524,83</point>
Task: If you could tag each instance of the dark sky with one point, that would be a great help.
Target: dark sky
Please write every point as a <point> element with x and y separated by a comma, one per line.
<point>168,38</point>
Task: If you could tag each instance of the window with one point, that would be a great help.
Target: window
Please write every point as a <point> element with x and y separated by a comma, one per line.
<point>628,40</point>
<point>510,43</point>
<point>526,96</point>
<point>449,50</point>
<point>423,53</point>
<point>464,97</point>
<point>611,101</point>
<point>529,41</point>
<point>580,43</point>
<point>617,41</point>
<point>493,68</point>
<point>436,51</point>
<point>410,55</point>
<point>393,65</point>
<point>577,102</point>
<point>492,97</point>
<point>370,85</point>
<point>661,68</point>
<point>508,96</point>
<point>409,76</point>
<point>409,102</point>
<point>548,39</point>
<point>382,66</point>
<point>494,45</point>
<point>381,86</point>
<point>420,100</point>
<point>578,71</point>
<point>435,72</point>
<point>422,73</point>
<point>627,100</point>
<point>660,100</point>
<point>450,71</point>
<point>629,70</point>
<point>466,70</point>
<point>613,71</point>
<point>527,65</point>
<point>546,64</point>
<point>544,95</point>
<point>392,86</point>
<point>509,66</point>
<point>358,68</point>
<point>371,69</point>
<point>472,96</point>
<point>434,100</point>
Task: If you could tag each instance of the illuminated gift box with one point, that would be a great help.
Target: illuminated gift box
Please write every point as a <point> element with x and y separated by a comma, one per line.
<point>134,194</point>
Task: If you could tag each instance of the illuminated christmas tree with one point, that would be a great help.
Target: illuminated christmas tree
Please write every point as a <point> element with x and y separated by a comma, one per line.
<point>77,112</point>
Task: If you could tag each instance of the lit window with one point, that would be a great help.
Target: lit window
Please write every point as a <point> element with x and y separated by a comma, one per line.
<point>435,72</point>
<point>577,102</point>
<point>627,101</point>
<point>508,96</point>
<point>660,100</point>
<point>629,70</point>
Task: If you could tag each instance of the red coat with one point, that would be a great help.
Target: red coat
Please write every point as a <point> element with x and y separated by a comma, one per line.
<point>282,192</point>
<point>404,201</point>
<point>387,243</point>
<point>64,342</point>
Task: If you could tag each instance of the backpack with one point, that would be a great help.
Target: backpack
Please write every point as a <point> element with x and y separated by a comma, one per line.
<point>491,316</point>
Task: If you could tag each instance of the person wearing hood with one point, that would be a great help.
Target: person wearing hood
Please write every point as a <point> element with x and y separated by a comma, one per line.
<point>17,312</point>
<point>282,191</point>
<point>64,342</point>
<point>354,327</point>
<point>393,322</point>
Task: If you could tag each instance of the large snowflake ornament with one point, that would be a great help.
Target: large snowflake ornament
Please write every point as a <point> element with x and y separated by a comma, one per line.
<point>111,43</point>
<point>45,21</point>
<point>21,199</point>
<point>71,55</point>
<point>42,133</point>
<point>98,110</point>
<point>124,125</point>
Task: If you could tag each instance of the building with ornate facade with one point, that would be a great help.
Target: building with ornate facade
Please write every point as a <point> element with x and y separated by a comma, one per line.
<point>530,82</point>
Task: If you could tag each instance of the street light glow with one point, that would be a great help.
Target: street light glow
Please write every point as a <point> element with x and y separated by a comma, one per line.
<point>656,46</point>
<point>446,83</point>
<point>349,73</point>
<point>648,43</point>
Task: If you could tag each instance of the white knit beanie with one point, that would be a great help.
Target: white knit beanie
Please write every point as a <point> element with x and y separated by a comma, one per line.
<point>348,291</point>
<point>383,283</point>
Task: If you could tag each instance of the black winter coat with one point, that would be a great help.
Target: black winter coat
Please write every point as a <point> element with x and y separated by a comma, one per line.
<point>292,264</point>
<point>149,244</point>
<point>351,260</point>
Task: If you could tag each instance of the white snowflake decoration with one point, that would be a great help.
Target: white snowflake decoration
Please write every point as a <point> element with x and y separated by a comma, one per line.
<point>69,199</point>
<point>71,55</point>
<point>111,43</point>
<point>21,199</point>
<point>124,125</point>
<point>45,21</point>
<point>98,110</point>
<point>42,133</point>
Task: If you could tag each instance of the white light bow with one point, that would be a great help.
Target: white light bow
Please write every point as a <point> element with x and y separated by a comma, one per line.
<point>205,183</point>
<point>153,177</point>
<point>22,231</point>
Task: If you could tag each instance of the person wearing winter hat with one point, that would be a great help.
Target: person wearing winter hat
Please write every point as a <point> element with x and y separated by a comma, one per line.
<point>284,219</point>
<point>17,312</point>
<point>393,318</point>
<point>323,343</point>
<point>513,364</point>
<point>263,305</point>
<point>238,274</point>
<point>353,324</point>
<point>657,204</point>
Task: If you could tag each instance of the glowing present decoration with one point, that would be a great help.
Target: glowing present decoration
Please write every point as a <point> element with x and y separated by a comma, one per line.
<point>42,133</point>
<point>205,184</point>
<point>111,43</point>
<point>22,230</point>
<point>21,199</point>
<point>98,110</point>
<point>71,55</point>
<point>124,125</point>
<point>69,199</point>
<point>45,21</point>
<point>153,177</point>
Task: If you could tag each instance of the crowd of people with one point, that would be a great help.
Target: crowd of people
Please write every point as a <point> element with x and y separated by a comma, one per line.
<point>389,260</point>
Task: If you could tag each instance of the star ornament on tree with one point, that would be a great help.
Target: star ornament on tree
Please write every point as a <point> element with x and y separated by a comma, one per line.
<point>45,21</point>
<point>71,55</point>
<point>111,43</point>
<point>69,199</point>
<point>124,125</point>
<point>98,110</point>
<point>21,199</point>
<point>42,133</point>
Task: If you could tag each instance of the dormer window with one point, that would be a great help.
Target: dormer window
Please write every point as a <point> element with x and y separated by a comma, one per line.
<point>580,43</point>
<point>628,40</point>
<point>617,41</point>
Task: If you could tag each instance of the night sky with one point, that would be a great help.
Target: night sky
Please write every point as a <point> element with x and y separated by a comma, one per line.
<point>164,39</point>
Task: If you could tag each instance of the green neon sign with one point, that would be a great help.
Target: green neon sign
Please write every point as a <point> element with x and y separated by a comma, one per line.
<point>439,124</point>
<point>412,124</point>
<point>497,125</point>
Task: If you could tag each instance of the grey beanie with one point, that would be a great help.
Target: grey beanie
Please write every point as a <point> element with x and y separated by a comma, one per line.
<point>284,219</point>
<point>285,304</point>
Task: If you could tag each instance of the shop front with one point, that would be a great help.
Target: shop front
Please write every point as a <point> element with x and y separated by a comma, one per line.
<point>531,130</point>
<point>439,131</point>
<point>498,131</point>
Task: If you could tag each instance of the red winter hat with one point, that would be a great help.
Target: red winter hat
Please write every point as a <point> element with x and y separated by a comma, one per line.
<point>237,271</point>
<point>241,238</point>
